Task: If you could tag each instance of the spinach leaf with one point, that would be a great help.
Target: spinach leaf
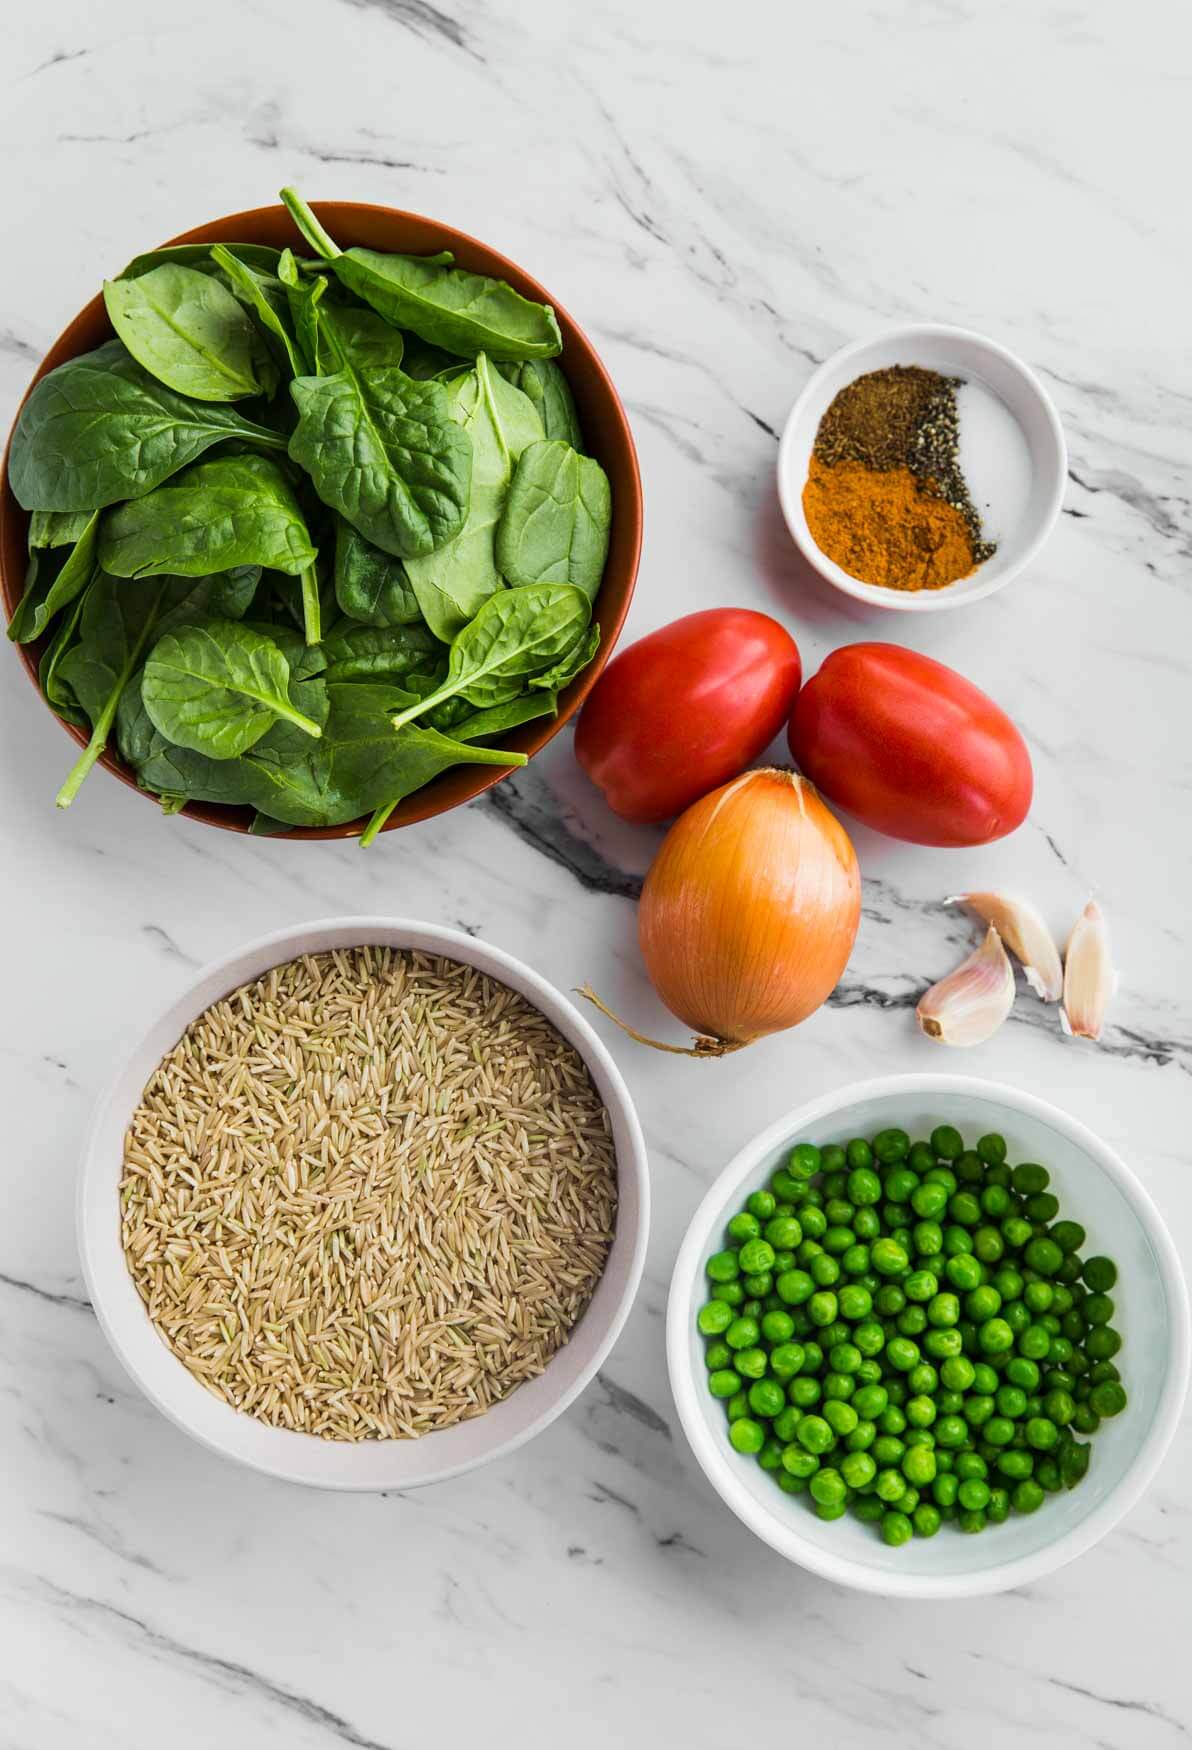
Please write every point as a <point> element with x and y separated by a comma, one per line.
<point>382,451</point>
<point>422,360</point>
<point>371,586</point>
<point>499,719</point>
<point>57,694</point>
<point>37,607</point>
<point>556,521</point>
<point>199,257</point>
<point>170,770</point>
<point>116,621</point>
<point>99,429</point>
<point>466,313</point>
<point>224,595</point>
<point>187,330</point>
<point>56,528</point>
<point>543,382</point>
<point>217,687</point>
<point>452,583</point>
<point>571,663</point>
<point>516,634</point>
<point>265,296</point>
<point>396,653</point>
<point>234,510</point>
<point>348,338</point>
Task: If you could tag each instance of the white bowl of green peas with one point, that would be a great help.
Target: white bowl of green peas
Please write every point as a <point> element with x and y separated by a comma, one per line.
<point>929,1337</point>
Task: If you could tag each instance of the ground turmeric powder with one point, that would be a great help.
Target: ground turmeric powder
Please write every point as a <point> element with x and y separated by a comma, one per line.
<point>882,526</point>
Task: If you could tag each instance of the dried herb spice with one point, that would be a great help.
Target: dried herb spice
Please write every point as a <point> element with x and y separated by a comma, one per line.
<point>886,498</point>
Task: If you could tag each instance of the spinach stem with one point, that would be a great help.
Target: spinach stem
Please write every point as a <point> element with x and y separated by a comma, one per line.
<point>77,774</point>
<point>312,619</point>
<point>446,691</point>
<point>295,717</point>
<point>377,822</point>
<point>309,226</point>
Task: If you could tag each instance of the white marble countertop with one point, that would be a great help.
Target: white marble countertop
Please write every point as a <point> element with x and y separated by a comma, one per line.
<point>721,197</point>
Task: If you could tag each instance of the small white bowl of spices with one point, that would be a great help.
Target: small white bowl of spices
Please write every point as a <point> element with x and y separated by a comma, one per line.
<point>922,469</point>
<point>366,1207</point>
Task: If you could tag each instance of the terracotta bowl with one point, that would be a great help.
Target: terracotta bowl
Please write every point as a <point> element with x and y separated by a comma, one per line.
<point>606,431</point>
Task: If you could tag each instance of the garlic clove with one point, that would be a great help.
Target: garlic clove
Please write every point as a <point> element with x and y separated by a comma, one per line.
<point>971,1003</point>
<point>1022,929</point>
<point>1089,977</point>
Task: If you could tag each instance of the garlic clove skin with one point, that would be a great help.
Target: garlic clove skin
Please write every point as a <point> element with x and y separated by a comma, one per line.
<point>970,1004</point>
<point>1089,977</point>
<point>1022,929</point>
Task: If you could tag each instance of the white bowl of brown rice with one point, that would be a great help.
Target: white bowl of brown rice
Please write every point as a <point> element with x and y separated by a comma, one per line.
<point>367,1206</point>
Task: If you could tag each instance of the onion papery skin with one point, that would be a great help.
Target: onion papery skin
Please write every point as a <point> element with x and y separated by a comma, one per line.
<point>750,910</point>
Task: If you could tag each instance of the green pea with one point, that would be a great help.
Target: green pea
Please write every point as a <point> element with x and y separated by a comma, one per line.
<point>723,1267</point>
<point>951,1431</point>
<point>761,1204</point>
<point>746,1435</point>
<point>945,1488</point>
<point>742,1333</point>
<point>756,1257</point>
<point>964,1272</point>
<point>803,1391</point>
<point>1107,1399</point>
<point>1103,1370</point>
<point>790,1485</point>
<point>995,1337</point>
<point>844,1358</point>
<point>973,1494</point>
<point>854,1301</point>
<point>964,1208</point>
<point>871,1400</point>
<point>783,1233</point>
<point>996,1201</point>
<point>731,1293</point>
<point>717,1355</point>
<point>900,1187</point>
<point>982,1303</point>
<point>947,1142</point>
<point>751,1362</point>
<point>1008,1282</point>
<point>785,1423</point>
<point>1039,1296</point>
<point>926,1519</point>
<point>798,1462</point>
<point>804,1161</point>
<point>929,1200</point>
<point>744,1226</point>
<point>857,1469</point>
<point>1074,1463</point>
<point>824,1270</point>
<point>1100,1274</point>
<point>1069,1236</point>
<point>1048,1475</point>
<point>1060,1407</point>
<point>902,1353</point>
<point>1014,1463</point>
<point>919,1466</point>
<point>790,1189</point>
<point>724,1383</point>
<point>770,1456</point>
<point>786,1359</point>
<point>1035,1343</point>
<point>714,1318</point>
<point>992,1149</point>
<point>1029,1178</point>
<point>832,1158</point>
<point>737,1406</point>
<point>971,1521</point>
<point>1102,1344</point>
<point>1044,1255</point>
<point>777,1326</point>
<point>921,1285</point>
<point>840,1416</point>
<point>815,1435</point>
<point>1016,1231</point>
<point>1097,1309</point>
<point>767,1398</point>
<point>822,1307</point>
<point>912,1321</point>
<point>941,1345</point>
<point>999,1431</point>
<point>862,1436</point>
<point>888,1257</point>
<point>1026,1497</point>
<point>891,1145</point>
<point>814,1356</point>
<point>864,1187</point>
<point>1042,1433</point>
<point>1011,1401</point>
<point>794,1287</point>
<point>1042,1207</point>
<point>957,1373</point>
<point>828,1487</point>
<point>923,1380</point>
<point>858,1153</point>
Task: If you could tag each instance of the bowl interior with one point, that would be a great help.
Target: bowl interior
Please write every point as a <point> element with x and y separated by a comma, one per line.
<point>1150,1313</point>
<point>606,433</point>
<point>305,1458</point>
<point>1018,404</point>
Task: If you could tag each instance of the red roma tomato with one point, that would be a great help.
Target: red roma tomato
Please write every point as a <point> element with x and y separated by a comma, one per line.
<point>911,748</point>
<point>685,709</point>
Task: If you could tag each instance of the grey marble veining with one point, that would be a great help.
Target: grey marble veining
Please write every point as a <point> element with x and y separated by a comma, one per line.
<point>720,198</point>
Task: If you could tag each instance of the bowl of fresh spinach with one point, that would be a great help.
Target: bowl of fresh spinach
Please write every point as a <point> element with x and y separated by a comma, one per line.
<point>318,522</point>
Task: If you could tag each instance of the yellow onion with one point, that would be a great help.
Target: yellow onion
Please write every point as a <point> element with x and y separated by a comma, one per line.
<point>749,912</point>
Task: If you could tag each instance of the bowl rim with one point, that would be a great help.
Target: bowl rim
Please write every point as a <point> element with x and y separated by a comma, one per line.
<point>790,491</point>
<point>287,943</point>
<point>712,1454</point>
<point>531,738</point>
